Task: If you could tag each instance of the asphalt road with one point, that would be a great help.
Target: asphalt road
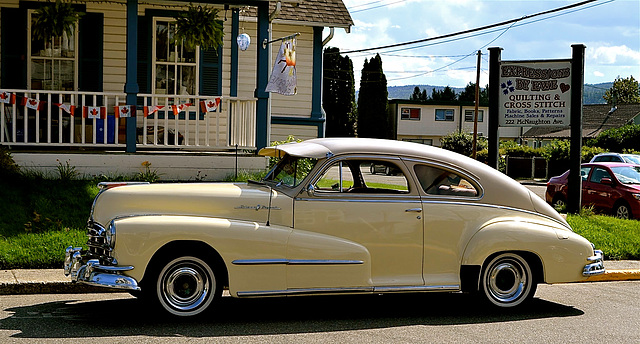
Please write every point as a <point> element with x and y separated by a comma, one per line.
<point>605,312</point>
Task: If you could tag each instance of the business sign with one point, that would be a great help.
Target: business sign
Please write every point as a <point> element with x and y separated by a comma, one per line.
<point>535,93</point>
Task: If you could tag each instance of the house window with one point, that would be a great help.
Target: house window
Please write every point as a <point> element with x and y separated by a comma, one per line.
<point>410,114</point>
<point>52,64</point>
<point>469,114</point>
<point>428,142</point>
<point>175,67</point>
<point>444,115</point>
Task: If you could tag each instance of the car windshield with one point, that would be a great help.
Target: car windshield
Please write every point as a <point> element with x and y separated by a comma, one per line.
<point>634,159</point>
<point>290,171</point>
<point>627,174</point>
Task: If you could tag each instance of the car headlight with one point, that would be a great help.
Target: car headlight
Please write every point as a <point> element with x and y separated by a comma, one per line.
<point>636,196</point>
<point>110,234</point>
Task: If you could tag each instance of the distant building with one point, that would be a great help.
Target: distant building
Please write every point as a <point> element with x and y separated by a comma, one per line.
<point>595,119</point>
<point>427,122</point>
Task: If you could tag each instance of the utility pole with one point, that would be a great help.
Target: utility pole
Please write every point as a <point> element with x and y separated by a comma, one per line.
<point>475,117</point>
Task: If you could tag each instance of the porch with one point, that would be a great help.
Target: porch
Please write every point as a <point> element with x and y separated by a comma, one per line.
<point>178,138</point>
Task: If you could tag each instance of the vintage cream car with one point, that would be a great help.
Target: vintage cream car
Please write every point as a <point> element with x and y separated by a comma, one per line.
<point>322,223</point>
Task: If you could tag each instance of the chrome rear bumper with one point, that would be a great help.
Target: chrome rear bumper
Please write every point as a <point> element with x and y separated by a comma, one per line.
<point>596,267</point>
<point>93,273</point>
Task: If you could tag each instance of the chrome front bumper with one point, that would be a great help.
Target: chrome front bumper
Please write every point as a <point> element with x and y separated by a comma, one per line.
<point>93,273</point>
<point>596,267</point>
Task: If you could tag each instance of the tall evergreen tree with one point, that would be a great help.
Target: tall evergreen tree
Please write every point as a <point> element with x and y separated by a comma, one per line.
<point>373,119</point>
<point>338,94</point>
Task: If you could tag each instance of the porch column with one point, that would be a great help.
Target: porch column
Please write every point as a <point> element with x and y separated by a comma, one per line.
<point>262,78</point>
<point>131,85</point>
<point>317,112</point>
<point>235,25</point>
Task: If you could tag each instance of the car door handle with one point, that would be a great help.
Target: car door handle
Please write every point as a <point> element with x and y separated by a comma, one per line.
<point>414,210</point>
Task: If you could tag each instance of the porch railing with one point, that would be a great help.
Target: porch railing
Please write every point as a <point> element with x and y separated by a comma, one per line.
<point>44,123</point>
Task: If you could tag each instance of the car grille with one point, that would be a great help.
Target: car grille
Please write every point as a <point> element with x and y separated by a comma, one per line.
<point>97,243</point>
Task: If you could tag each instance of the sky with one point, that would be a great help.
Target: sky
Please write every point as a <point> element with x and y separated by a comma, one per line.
<point>610,30</point>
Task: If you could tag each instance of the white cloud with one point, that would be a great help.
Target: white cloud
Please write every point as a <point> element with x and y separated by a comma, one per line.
<point>614,54</point>
<point>598,74</point>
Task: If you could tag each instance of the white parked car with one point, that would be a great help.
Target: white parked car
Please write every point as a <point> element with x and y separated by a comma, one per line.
<point>321,223</point>
<point>617,157</point>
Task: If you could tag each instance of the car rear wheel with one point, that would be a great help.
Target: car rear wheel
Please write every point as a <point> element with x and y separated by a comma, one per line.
<point>186,286</point>
<point>622,211</point>
<point>507,280</point>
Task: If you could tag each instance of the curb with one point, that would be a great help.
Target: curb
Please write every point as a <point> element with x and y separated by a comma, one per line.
<point>22,288</point>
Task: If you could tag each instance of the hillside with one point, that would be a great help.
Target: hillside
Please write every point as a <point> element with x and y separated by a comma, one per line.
<point>592,92</point>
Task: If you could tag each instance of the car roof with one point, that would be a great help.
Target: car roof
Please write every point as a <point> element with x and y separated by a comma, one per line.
<point>608,164</point>
<point>326,147</point>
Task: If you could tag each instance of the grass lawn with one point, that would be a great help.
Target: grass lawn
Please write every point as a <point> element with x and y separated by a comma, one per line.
<point>40,217</point>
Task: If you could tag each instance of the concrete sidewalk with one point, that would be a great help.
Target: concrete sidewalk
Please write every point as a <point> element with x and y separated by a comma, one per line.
<point>53,281</point>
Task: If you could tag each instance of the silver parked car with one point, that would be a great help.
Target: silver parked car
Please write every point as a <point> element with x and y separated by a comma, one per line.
<point>617,157</point>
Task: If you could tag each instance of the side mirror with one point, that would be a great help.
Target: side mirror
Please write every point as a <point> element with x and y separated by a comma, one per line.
<point>310,190</point>
<point>606,181</point>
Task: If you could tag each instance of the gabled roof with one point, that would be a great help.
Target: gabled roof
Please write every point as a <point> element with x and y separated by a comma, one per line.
<point>595,119</point>
<point>327,13</point>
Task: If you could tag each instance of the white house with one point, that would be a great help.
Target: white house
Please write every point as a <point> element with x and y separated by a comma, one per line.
<point>121,53</point>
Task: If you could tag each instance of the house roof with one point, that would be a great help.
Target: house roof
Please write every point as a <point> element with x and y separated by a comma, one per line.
<point>328,13</point>
<point>595,119</point>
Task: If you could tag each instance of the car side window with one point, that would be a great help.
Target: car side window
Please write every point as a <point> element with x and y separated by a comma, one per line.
<point>598,174</point>
<point>439,181</point>
<point>363,176</point>
<point>584,173</point>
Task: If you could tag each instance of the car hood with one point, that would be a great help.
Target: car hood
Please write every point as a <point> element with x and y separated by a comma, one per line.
<point>225,200</point>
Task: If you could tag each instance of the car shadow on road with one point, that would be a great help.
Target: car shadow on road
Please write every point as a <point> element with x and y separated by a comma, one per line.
<point>272,316</point>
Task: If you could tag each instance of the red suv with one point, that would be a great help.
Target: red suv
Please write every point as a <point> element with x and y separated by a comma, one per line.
<point>609,187</point>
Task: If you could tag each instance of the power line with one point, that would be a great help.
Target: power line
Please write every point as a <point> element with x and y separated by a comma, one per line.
<point>472,30</point>
<point>374,7</point>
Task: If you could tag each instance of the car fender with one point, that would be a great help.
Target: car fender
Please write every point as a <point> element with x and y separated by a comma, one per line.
<point>562,253</point>
<point>138,238</point>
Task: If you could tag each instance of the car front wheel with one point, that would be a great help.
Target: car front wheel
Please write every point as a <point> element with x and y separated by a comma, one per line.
<point>507,280</point>
<point>186,286</point>
<point>622,211</point>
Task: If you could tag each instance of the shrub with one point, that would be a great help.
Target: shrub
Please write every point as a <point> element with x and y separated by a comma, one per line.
<point>8,166</point>
<point>462,142</point>
<point>618,139</point>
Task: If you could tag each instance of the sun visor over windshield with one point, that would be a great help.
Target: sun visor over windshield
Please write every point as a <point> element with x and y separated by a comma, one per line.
<point>299,149</point>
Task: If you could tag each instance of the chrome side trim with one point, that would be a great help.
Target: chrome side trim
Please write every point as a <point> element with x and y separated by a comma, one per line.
<point>295,262</point>
<point>418,288</point>
<point>353,290</point>
<point>310,291</point>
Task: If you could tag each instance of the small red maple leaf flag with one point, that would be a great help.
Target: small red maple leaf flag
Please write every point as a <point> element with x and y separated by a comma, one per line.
<point>94,112</point>
<point>33,104</point>
<point>70,109</point>
<point>124,111</point>
<point>7,98</point>
<point>210,105</point>
<point>150,110</point>
<point>179,108</point>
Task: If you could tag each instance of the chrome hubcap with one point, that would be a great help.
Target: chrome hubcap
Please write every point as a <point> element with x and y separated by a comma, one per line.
<point>507,280</point>
<point>185,286</point>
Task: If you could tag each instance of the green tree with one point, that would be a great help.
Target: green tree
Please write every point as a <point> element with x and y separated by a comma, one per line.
<point>419,95</point>
<point>373,118</point>
<point>447,94</point>
<point>338,94</point>
<point>623,91</point>
<point>618,139</point>
<point>469,94</point>
<point>462,142</point>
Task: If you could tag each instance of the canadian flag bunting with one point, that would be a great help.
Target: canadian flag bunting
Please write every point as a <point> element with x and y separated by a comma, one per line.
<point>70,109</point>
<point>149,110</point>
<point>7,98</point>
<point>210,105</point>
<point>179,108</point>
<point>33,104</point>
<point>124,111</point>
<point>94,112</point>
